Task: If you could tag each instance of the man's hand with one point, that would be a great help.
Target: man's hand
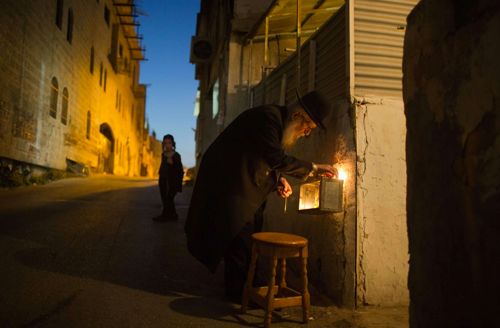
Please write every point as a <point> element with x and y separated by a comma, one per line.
<point>284,189</point>
<point>326,170</point>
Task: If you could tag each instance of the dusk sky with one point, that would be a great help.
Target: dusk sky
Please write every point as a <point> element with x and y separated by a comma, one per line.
<point>167,29</point>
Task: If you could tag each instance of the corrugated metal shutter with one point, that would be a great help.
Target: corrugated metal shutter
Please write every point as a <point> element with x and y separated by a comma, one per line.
<point>258,94</point>
<point>269,89</point>
<point>291,79</point>
<point>378,45</point>
<point>331,76</point>
<point>304,68</point>
<point>330,71</point>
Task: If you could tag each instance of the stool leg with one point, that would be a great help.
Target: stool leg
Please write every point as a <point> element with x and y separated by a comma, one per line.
<point>248,283</point>
<point>270,293</point>
<point>283,273</point>
<point>305,290</point>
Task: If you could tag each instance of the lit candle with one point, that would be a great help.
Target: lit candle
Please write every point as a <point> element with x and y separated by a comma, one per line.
<point>342,174</point>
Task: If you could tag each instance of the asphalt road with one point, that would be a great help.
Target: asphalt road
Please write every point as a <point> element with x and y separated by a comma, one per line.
<point>84,252</point>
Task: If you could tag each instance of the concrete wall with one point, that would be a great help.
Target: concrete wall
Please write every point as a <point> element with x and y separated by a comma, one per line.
<point>451,94</point>
<point>237,96</point>
<point>229,65</point>
<point>381,198</point>
<point>35,49</point>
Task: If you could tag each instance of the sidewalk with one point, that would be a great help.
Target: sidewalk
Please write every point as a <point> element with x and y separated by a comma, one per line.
<point>323,314</point>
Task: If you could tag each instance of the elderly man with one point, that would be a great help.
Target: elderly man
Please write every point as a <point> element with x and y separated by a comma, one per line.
<point>241,167</point>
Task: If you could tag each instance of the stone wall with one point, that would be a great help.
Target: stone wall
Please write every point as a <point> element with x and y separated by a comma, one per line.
<point>34,50</point>
<point>452,95</point>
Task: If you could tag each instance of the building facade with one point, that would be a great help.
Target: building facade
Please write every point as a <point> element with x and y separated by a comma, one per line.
<point>351,51</point>
<point>69,85</point>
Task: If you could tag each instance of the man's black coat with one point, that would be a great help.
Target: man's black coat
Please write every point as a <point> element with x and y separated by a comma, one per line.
<point>237,172</point>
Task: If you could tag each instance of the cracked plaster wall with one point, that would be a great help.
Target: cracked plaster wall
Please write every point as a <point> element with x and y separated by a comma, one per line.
<point>451,92</point>
<point>381,198</point>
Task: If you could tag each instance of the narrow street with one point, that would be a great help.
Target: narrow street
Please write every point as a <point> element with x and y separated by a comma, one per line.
<point>85,253</point>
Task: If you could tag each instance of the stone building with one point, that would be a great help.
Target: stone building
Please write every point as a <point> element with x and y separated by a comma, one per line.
<point>69,85</point>
<point>351,51</point>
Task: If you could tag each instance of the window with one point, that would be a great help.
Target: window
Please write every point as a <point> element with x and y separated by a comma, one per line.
<point>59,13</point>
<point>64,107</point>
<point>105,79</point>
<point>88,125</point>
<point>196,110</point>
<point>100,75</point>
<point>106,14</point>
<point>92,55</point>
<point>69,34</point>
<point>116,99</point>
<point>118,150</point>
<point>215,99</point>
<point>54,93</point>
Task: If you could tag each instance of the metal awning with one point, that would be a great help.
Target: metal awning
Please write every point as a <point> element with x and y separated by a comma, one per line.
<point>127,12</point>
<point>281,17</point>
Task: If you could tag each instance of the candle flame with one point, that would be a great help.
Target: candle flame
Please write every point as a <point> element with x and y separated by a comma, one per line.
<point>342,174</point>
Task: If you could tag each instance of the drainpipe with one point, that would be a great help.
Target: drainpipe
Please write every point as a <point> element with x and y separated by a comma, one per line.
<point>266,46</point>
<point>299,30</point>
<point>250,72</point>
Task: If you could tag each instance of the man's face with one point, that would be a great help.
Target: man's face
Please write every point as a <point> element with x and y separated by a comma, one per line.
<point>307,125</point>
<point>300,125</point>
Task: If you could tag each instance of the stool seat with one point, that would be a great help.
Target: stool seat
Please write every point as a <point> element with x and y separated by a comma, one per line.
<point>280,239</point>
<point>277,246</point>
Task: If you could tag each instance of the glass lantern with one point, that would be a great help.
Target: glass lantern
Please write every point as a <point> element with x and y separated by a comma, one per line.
<point>321,196</point>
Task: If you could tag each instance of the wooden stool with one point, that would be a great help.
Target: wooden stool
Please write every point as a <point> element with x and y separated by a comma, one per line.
<point>275,245</point>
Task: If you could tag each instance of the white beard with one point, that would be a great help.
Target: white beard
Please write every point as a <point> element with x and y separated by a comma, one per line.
<point>290,135</point>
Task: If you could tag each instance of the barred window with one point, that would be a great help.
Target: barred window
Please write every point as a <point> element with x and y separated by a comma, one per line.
<point>69,34</point>
<point>92,58</point>
<point>101,74</point>
<point>59,13</point>
<point>54,94</point>
<point>88,124</point>
<point>106,14</point>
<point>116,99</point>
<point>105,79</point>
<point>64,107</point>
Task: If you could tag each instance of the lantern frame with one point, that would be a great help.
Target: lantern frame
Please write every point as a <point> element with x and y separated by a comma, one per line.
<point>330,198</point>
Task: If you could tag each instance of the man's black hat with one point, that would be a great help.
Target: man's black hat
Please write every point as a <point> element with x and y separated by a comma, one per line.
<point>315,105</point>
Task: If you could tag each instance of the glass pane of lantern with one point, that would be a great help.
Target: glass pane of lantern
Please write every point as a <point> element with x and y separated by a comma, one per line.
<point>309,195</point>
